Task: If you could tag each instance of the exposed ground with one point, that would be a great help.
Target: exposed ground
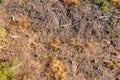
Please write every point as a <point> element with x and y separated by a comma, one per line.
<point>50,40</point>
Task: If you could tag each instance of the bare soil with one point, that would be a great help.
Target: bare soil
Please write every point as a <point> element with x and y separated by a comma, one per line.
<point>54,41</point>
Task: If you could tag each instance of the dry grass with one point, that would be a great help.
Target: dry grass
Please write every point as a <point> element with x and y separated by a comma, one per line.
<point>20,22</point>
<point>54,69</point>
<point>72,2</point>
<point>54,43</point>
<point>116,3</point>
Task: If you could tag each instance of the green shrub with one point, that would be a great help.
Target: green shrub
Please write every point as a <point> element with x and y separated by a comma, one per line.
<point>1,1</point>
<point>5,70</point>
<point>102,4</point>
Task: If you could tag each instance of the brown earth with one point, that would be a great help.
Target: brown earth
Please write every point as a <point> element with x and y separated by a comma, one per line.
<point>54,41</point>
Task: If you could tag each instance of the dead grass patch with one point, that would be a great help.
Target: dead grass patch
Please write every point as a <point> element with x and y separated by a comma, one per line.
<point>54,69</point>
<point>116,3</point>
<point>54,43</point>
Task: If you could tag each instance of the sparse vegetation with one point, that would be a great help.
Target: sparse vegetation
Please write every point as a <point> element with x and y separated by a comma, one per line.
<point>118,35</point>
<point>22,2</point>
<point>2,32</point>
<point>59,40</point>
<point>111,32</point>
<point>118,78</point>
<point>2,36</point>
<point>61,29</point>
